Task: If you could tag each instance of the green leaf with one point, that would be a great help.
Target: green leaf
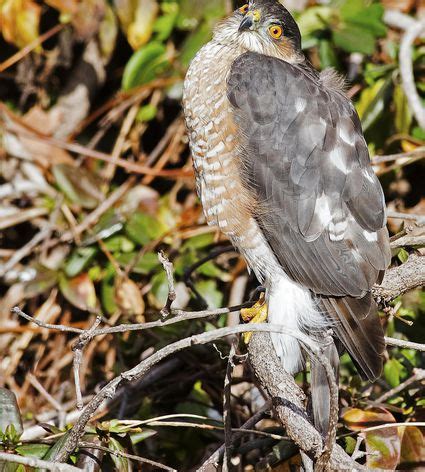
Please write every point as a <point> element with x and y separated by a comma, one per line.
<point>403,255</point>
<point>143,228</point>
<point>159,291</point>
<point>209,291</point>
<point>147,113</point>
<point>107,291</point>
<point>372,102</point>
<point>198,242</point>
<point>393,370</point>
<point>136,438</point>
<point>119,244</point>
<point>370,19</point>
<point>54,450</point>
<point>403,115</point>
<point>314,19</point>
<point>33,450</point>
<point>327,55</point>
<point>144,65</point>
<point>352,38</point>
<point>164,25</point>
<point>79,260</point>
<point>350,445</point>
<point>209,269</point>
<point>121,463</point>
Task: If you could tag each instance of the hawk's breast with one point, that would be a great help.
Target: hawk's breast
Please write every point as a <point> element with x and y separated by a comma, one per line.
<point>213,139</point>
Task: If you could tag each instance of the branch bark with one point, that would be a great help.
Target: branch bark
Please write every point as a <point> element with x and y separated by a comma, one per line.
<point>288,400</point>
<point>401,279</point>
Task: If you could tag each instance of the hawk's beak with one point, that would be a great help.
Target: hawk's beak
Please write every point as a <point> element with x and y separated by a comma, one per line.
<point>249,21</point>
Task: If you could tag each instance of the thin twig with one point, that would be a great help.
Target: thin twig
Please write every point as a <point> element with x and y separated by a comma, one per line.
<point>227,418</point>
<point>93,217</point>
<point>62,328</point>
<point>31,134</point>
<point>78,348</point>
<point>416,424</point>
<point>404,344</point>
<point>168,267</point>
<point>419,219</point>
<point>143,460</point>
<point>143,367</point>
<point>418,376</point>
<point>30,47</point>
<point>416,153</point>
<point>37,463</point>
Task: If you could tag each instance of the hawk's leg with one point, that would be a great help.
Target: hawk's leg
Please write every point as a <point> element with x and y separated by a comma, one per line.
<point>255,314</point>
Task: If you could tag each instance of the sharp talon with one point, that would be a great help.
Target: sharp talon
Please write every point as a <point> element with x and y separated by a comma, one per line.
<point>255,314</point>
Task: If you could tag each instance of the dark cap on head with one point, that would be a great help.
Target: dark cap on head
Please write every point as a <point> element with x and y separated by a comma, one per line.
<point>274,9</point>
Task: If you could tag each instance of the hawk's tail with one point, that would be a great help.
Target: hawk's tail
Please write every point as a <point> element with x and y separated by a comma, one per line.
<point>354,321</point>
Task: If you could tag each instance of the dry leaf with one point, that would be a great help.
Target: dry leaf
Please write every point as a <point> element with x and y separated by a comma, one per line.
<point>129,299</point>
<point>19,21</point>
<point>137,18</point>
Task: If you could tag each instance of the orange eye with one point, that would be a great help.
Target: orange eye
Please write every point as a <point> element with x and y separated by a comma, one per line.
<point>275,31</point>
<point>244,9</point>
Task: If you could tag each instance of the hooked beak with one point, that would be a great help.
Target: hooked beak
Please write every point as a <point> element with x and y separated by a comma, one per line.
<point>246,24</point>
<point>250,20</point>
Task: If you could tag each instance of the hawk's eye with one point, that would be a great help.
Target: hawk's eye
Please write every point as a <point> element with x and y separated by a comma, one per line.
<point>275,31</point>
<point>244,9</point>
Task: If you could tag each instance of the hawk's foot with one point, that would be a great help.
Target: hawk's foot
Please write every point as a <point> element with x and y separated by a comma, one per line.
<point>255,314</point>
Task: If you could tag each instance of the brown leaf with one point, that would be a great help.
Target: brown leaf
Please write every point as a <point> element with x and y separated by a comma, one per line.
<point>129,299</point>
<point>402,5</point>
<point>137,19</point>
<point>19,21</point>
<point>383,447</point>
<point>79,291</point>
<point>356,419</point>
<point>412,445</point>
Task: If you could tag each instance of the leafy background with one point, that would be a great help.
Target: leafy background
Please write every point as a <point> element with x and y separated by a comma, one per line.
<point>73,261</point>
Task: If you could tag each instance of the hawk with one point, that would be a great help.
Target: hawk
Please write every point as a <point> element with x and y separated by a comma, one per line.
<point>283,169</point>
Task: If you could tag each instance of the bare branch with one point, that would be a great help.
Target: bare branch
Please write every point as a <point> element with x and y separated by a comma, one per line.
<point>78,348</point>
<point>404,344</point>
<point>401,279</point>
<point>143,367</point>
<point>37,463</point>
<point>419,219</point>
<point>288,400</point>
<point>418,376</point>
<point>143,460</point>
<point>227,390</point>
<point>168,267</point>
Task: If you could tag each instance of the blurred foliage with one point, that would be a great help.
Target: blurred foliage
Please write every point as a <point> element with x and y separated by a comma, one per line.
<point>106,262</point>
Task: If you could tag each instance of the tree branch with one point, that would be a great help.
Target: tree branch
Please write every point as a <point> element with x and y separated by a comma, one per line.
<point>413,30</point>
<point>401,279</point>
<point>37,463</point>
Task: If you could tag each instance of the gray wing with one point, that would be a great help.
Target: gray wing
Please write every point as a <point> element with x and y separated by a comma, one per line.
<point>304,156</point>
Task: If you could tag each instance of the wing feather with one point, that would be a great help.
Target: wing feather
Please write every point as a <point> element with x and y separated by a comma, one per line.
<point>304,157</point>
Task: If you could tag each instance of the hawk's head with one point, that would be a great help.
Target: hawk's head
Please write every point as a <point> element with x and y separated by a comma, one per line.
<point>266,27</point>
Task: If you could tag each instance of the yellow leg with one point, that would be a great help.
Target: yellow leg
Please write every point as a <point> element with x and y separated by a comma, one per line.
<point>255,314</point>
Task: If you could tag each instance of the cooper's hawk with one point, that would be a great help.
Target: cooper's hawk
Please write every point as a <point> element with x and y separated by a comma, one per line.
<point>283,169</point>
